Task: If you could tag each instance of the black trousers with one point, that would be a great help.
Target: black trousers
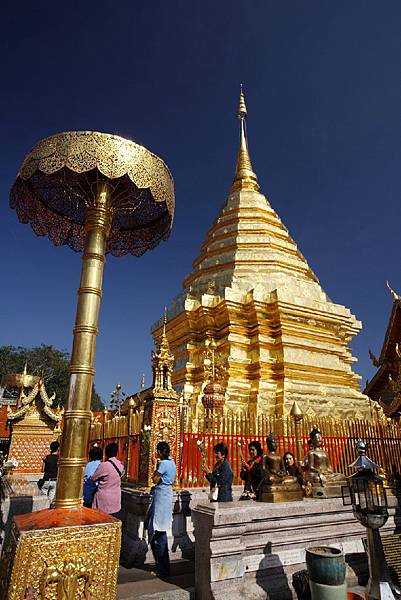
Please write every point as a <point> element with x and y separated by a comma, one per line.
<point>160,552</point>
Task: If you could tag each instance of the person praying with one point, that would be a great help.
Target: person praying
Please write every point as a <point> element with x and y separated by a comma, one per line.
<point>251,471</point>
<point>221,477</point>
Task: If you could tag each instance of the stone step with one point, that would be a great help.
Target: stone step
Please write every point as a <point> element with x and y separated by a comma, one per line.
<point>142,585</point>
<point>164,595</point>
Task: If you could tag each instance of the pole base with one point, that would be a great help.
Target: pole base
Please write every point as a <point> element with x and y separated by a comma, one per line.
<point>62,553</point>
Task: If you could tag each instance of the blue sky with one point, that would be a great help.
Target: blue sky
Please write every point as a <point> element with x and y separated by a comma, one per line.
<point>323,88</point>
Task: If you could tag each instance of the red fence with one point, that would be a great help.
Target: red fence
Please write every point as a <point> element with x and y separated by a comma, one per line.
<point>122,443</point>
<point>341,451</point>
<point>385,451</point>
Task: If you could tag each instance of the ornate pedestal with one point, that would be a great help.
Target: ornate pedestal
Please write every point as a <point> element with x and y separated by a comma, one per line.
<point>52,554</point>
<point>281,493</point>
<point>328,490</point>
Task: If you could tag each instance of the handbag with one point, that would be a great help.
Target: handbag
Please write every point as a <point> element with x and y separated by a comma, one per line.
<point>40,483</point>
<point>214,494</point>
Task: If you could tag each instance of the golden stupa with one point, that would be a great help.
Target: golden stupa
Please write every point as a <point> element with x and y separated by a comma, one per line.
<point>252,292</point>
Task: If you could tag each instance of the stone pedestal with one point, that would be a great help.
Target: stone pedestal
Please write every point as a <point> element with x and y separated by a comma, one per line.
<point>27,500</point>
<point>251,552</point>
<point>135,550</point>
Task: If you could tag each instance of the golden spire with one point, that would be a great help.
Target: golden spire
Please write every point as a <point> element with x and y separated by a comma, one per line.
<point>164,321</point>
<point>245,178</point>
<point>164,341</point>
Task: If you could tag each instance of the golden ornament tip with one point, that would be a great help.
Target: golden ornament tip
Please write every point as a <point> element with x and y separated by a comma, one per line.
<point>245,178</point>
<point>242,112</point>
<point>295,410</point>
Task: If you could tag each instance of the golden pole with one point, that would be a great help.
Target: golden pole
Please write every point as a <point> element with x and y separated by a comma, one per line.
<point>74,440</point>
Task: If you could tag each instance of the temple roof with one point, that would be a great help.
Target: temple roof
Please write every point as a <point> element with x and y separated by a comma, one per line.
<point>383,387</point>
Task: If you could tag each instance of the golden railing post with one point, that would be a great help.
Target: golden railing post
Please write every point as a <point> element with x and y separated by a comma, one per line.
<point>77,415</point>
<point>131,404</point>
<point>297,415</point>
<point>104,424</point>
<point>380,419</point>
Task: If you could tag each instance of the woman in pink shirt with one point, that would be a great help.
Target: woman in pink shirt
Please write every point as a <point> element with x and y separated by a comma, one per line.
<point>108,475</point>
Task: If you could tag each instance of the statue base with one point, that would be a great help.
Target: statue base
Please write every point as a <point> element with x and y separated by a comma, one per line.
<point>328,491</point>
<point>54,553</point>
<point>274,494</point>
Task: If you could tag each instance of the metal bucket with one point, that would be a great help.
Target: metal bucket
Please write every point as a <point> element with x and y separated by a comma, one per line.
<point>326,565</point>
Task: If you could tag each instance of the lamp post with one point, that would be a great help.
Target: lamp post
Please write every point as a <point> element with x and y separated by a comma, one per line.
<point>97,193</point>
<point>369,504</point>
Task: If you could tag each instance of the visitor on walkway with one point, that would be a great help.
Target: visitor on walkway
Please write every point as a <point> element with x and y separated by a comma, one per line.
<point>221,477</point>
<point>50,470</point>
<point>292,468</point>
<point>159,517</point>
<point>108,476</point>
<point>90,486</point>
<point>251,471</point>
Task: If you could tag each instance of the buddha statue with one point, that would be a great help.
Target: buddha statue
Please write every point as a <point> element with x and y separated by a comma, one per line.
<point>319,472</point>
<point>276,485</point>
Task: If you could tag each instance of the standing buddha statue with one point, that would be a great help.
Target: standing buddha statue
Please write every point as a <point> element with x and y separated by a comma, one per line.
<point>276,485</point>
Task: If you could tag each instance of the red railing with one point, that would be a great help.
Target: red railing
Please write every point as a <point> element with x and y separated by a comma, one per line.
<point>341,451</point>
<point>133,471</point>
<point>122,443</point>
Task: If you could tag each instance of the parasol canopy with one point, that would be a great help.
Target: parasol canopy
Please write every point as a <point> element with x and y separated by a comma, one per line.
<point>60,178</point>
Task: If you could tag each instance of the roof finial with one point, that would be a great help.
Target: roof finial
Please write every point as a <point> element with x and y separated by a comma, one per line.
<point>245,178</point>
<point>392,292</point>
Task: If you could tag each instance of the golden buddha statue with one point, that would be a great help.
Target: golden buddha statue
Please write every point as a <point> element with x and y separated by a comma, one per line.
<point>319,472</point>
<point>276,485</point>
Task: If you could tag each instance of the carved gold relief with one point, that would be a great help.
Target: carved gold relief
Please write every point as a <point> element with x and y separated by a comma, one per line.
<point>71,573</point>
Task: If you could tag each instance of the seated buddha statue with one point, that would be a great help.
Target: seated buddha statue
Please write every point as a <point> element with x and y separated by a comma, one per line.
<point>276,485</point>
<point>318,470</point>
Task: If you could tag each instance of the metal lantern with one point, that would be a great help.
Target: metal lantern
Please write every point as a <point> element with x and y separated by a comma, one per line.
<point>369,504</point>
<point>367,493</point>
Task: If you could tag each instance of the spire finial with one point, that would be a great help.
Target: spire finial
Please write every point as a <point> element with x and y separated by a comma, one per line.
<point>164,320</point>
<point>245,178</point>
